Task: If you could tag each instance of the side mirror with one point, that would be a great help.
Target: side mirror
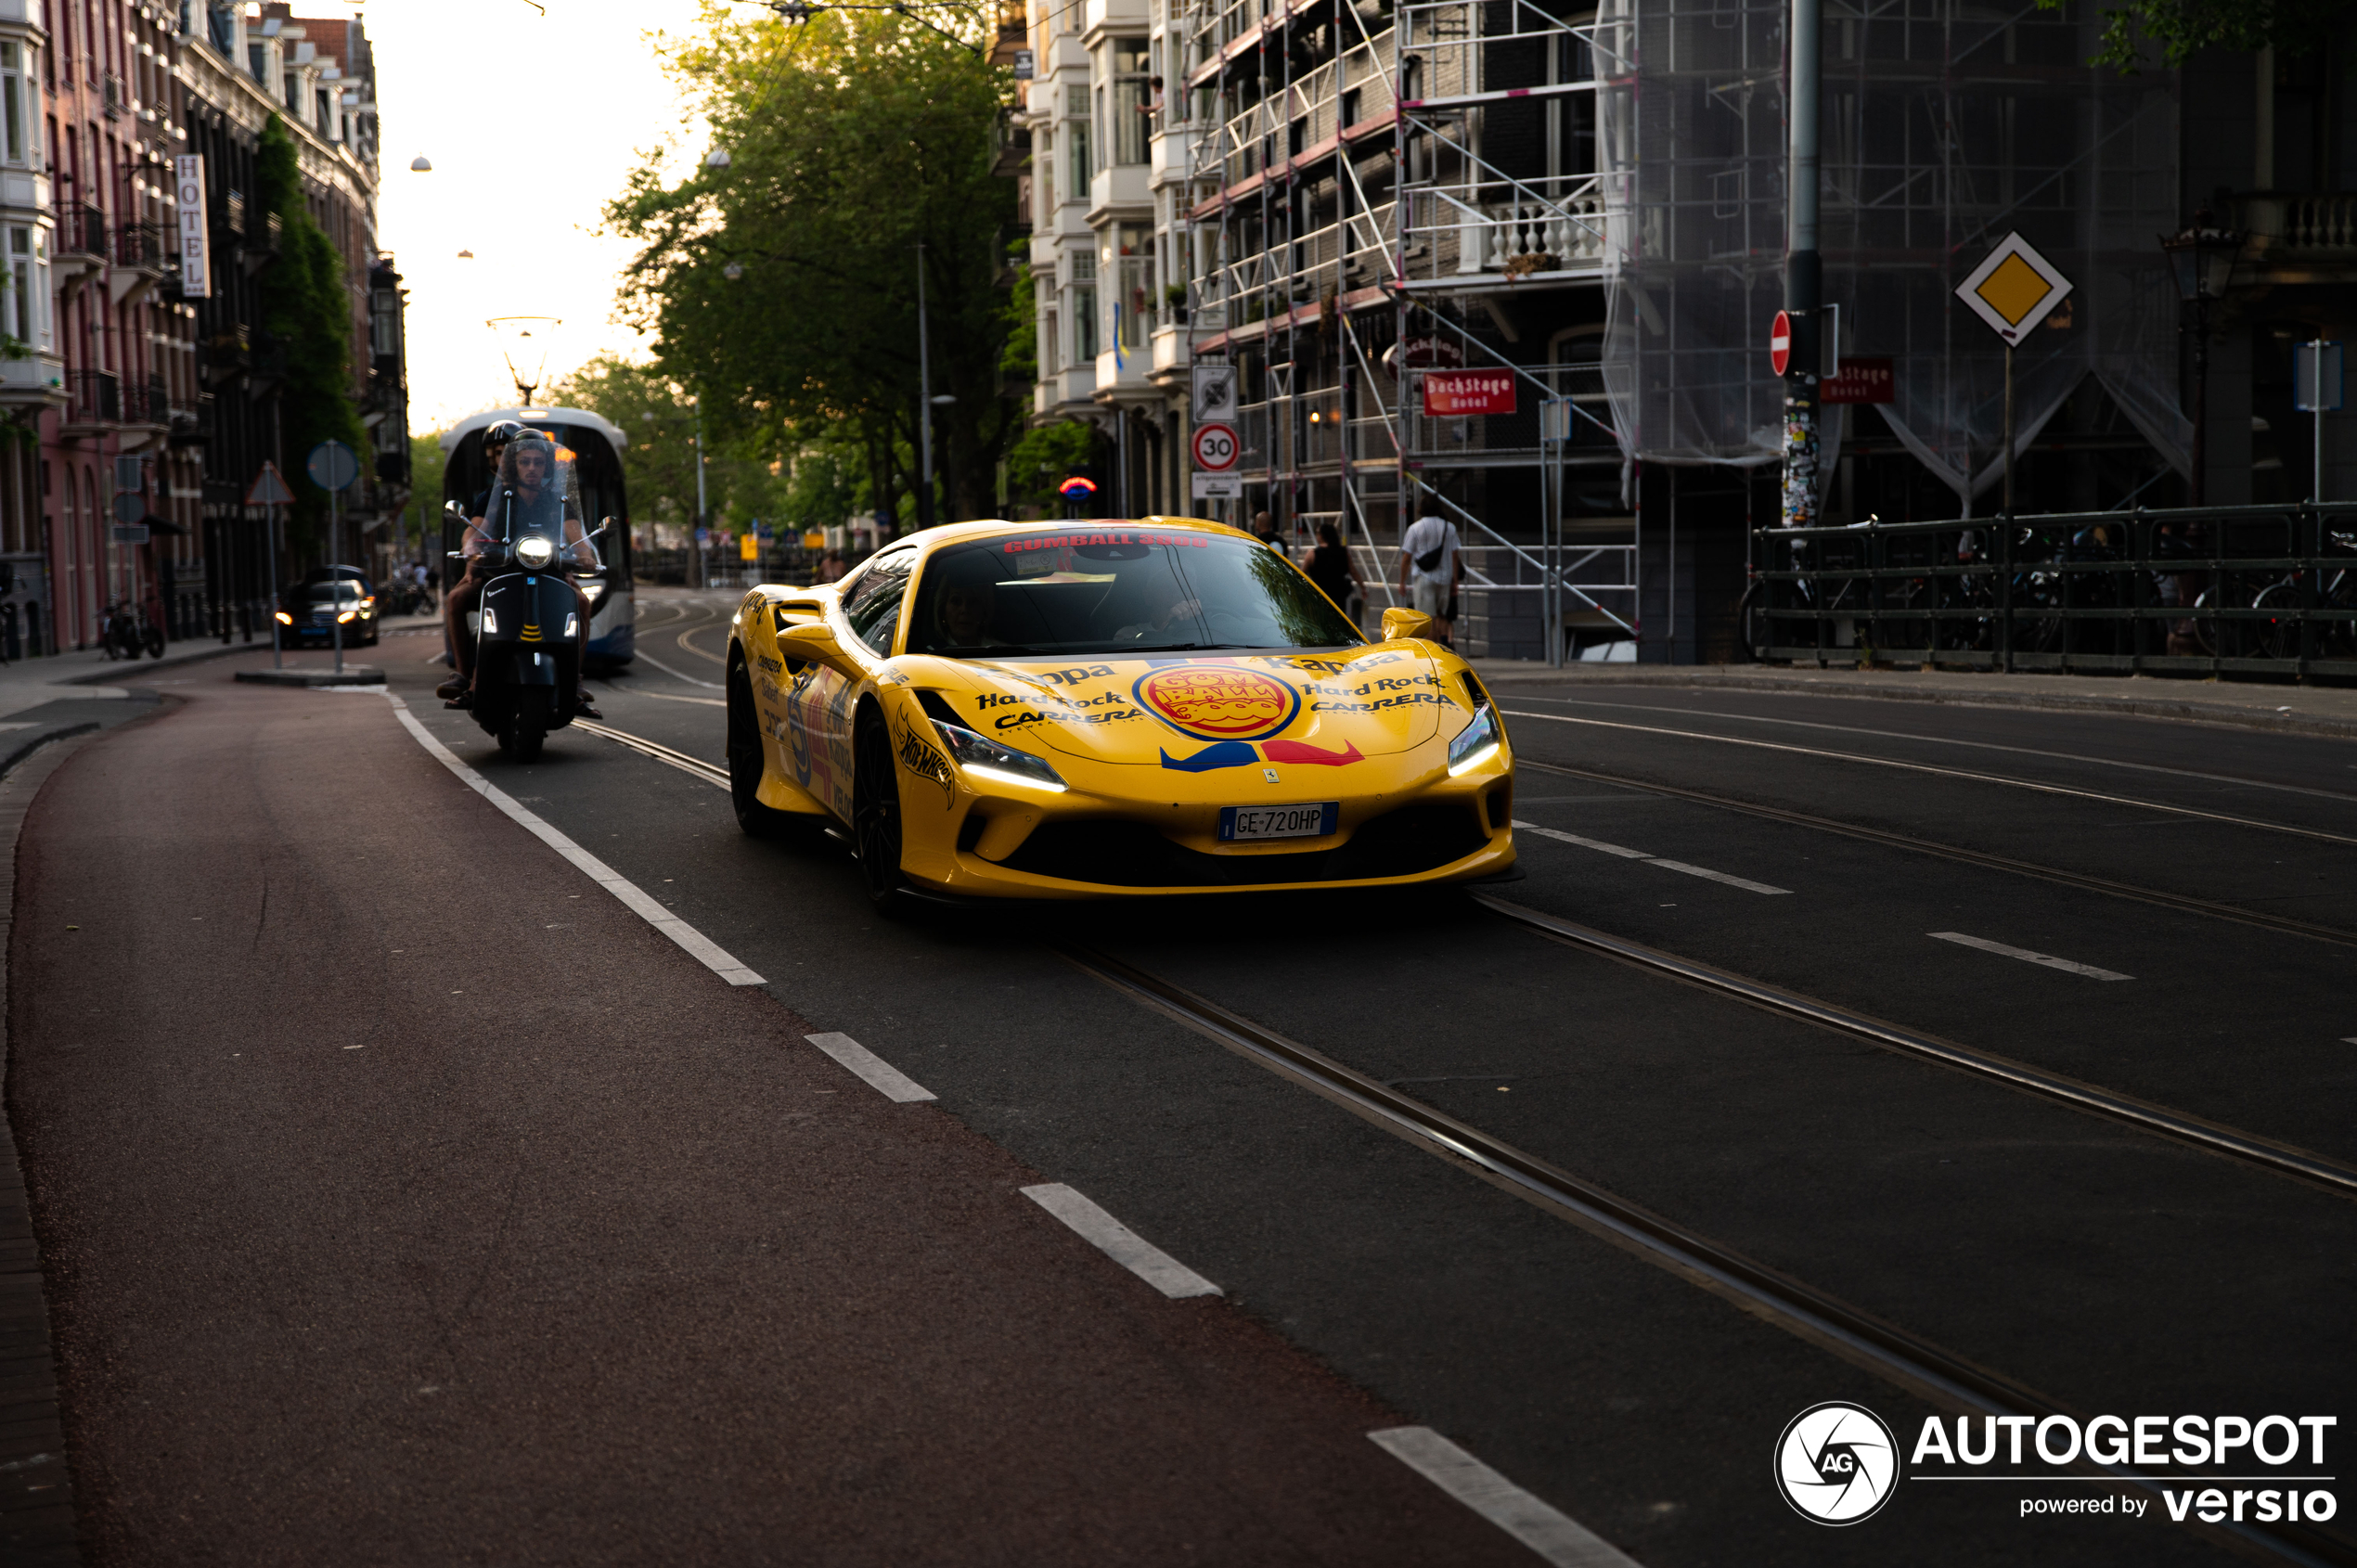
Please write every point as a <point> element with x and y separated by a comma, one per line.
<point>452,509</point>
<point>815,641</point>
<point>1399,622</point>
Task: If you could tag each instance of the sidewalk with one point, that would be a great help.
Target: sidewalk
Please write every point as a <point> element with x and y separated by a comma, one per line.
<point>89,675</point>
<point>2298,710</point>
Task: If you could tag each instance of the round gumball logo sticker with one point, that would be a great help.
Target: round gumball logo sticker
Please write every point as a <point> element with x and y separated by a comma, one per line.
<point>1217,702</point>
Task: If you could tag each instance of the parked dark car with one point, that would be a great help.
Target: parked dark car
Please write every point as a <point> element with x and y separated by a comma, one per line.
<point>308,611</point>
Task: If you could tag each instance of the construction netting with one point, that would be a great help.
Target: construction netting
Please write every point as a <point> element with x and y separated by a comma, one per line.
<point>1946,124</point>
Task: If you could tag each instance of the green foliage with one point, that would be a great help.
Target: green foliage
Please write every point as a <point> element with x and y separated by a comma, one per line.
<point>427,463</point>
<point>1043,456</point>
<point>307,312</point>
<point>2184,28</point>
<point>853,137</point>
<point>1019,361</point>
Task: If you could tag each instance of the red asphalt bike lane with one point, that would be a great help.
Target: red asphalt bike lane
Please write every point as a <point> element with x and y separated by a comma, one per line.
<point>406,1200</point>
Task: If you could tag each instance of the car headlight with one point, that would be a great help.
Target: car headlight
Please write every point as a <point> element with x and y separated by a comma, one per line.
<point>535,553</point>
<point>985,758</point>
<point>284,619</point>
<point>345,619</point>
<point>1476,743</point>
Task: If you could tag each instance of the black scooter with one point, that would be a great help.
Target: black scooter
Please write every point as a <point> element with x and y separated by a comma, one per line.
<point>528,652</point>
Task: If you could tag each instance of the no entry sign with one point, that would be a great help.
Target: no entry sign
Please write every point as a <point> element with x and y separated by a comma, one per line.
<point>1215,448</point>
<point>1780,343</point>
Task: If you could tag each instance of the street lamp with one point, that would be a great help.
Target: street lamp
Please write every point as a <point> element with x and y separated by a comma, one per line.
<point>717,159</point>
<point>2202,256</point>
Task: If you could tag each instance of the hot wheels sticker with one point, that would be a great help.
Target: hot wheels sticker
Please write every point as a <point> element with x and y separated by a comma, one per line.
<point>1217,702</point>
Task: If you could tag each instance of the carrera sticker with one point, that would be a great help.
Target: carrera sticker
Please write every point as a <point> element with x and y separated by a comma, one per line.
<point>1401,700</point>
<point>1303,751</point>
<point>925,763</point>
<point>1227,753</point>
<point>1217,702</point>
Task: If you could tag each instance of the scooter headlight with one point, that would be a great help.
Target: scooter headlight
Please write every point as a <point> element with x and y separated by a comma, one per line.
<point>535,553</point>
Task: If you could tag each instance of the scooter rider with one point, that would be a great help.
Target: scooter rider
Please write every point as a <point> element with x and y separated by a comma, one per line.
<point>460,601</point>
<point>527,499</point>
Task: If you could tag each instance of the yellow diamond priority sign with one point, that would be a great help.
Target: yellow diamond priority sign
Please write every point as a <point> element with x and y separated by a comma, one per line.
<point>2014,288</point>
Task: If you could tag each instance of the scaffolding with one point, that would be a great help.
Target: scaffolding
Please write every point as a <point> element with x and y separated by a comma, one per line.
<point>1380,184</point>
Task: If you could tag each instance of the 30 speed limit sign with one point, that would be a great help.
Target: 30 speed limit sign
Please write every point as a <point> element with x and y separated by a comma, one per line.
<point>1215,448</point>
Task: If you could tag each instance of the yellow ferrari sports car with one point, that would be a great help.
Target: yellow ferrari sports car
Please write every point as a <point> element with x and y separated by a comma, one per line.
<point>1072,710</point>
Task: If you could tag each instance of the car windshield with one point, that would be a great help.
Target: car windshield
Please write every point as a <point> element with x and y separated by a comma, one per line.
<point>329,593</point>
<point>1116,588</point>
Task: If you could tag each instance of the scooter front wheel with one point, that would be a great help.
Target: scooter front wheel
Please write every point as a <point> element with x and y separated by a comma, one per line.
<point>521,736</point>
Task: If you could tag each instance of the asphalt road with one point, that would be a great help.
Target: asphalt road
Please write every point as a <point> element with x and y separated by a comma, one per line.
<point>597,1258</point>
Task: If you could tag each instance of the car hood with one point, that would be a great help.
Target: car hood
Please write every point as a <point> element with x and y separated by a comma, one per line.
<point>1197,713</point>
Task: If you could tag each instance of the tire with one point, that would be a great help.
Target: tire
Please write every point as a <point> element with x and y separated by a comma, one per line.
<point>524,733</point>
<point>758,821</point>
<point>875,813</point>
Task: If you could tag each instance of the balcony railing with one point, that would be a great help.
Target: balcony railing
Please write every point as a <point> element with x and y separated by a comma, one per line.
<point>139,245</point>
<point>2319,225</point>
<point>82,230</point>
<point>151,404</point>
<point>92,398</point>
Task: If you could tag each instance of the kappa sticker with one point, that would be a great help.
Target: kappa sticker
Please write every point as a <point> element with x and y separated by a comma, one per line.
<point>1217,702</point>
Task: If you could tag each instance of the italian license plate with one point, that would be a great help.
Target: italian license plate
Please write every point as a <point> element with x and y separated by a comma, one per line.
<point>1312,821</point>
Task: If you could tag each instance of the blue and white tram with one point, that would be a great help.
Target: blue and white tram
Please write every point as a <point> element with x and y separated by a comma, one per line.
<point>596,445</point>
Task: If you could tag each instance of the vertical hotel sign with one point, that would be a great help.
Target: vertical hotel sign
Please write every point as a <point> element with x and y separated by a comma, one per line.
<point>195,265</point>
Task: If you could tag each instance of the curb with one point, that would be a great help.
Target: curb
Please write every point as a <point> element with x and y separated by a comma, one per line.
<point>38,1527</point>
<point>2176,710</point>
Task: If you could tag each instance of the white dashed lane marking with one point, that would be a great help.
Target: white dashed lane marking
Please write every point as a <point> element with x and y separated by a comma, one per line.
<point>878,1073</point>
<point>1120,1243</point>
<point>1627,854</point>
<point>1553,1534</point>
<point>2045,961</point>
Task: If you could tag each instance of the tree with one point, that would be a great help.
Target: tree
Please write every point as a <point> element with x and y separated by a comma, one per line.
<point>853,138</point>
<point>307,312</point>
<point>2184,28</point>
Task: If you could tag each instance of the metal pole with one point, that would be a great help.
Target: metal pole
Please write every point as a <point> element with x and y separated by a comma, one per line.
<point>336,583</point>
<point>2200,485</point>
<point>924,399</point>
<point>2009,437</point>
<point>703,523</point>
<point>2316,402</point>
<point>270,554</point>
<point>1803,273</point>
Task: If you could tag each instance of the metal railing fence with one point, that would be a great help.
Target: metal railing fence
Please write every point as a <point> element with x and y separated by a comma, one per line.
<point>2268,590</point>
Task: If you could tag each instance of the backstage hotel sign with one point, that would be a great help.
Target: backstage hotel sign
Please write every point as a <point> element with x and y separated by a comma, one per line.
<point>1838,1463</point>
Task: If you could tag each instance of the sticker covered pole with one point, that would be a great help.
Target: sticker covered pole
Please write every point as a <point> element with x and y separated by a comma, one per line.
<point>1803,272</point>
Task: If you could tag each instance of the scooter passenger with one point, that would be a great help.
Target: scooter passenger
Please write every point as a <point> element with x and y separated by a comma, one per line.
<point>526,500</point>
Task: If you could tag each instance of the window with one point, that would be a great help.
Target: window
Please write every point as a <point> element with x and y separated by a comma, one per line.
<point>1130,258</point>
<point>1077,167</point>
<point>1131,99</point>
<point>12,103</point>
<point>24,311</point>
<point>1083,306</point>
<point>1043,158</point>
<point>873,605</point>
<point>1050,340</point>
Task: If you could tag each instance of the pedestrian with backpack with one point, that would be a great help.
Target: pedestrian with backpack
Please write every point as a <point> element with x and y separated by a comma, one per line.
<point>1432,562</point>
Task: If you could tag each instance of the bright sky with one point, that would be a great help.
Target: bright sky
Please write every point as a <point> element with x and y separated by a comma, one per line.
<point>533,123</point>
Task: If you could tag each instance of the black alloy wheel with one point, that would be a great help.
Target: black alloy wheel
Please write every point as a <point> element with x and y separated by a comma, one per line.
<point>875,811</point>
<point>744,760</point>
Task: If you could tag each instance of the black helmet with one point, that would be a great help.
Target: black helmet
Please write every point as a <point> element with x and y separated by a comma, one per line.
<point>502,432</point>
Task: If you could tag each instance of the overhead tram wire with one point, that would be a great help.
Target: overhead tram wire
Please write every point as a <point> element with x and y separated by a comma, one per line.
<point>1908,841</point>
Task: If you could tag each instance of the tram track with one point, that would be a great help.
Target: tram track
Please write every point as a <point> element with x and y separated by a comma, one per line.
<point>1934,1373</point>
<point>1949,1381</point>
<point>2216,1138</point>
<point>2003,781</point>
<point>1910,842</point>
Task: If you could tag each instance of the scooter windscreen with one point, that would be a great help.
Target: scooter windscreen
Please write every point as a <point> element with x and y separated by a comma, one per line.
<point>534,510</point>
